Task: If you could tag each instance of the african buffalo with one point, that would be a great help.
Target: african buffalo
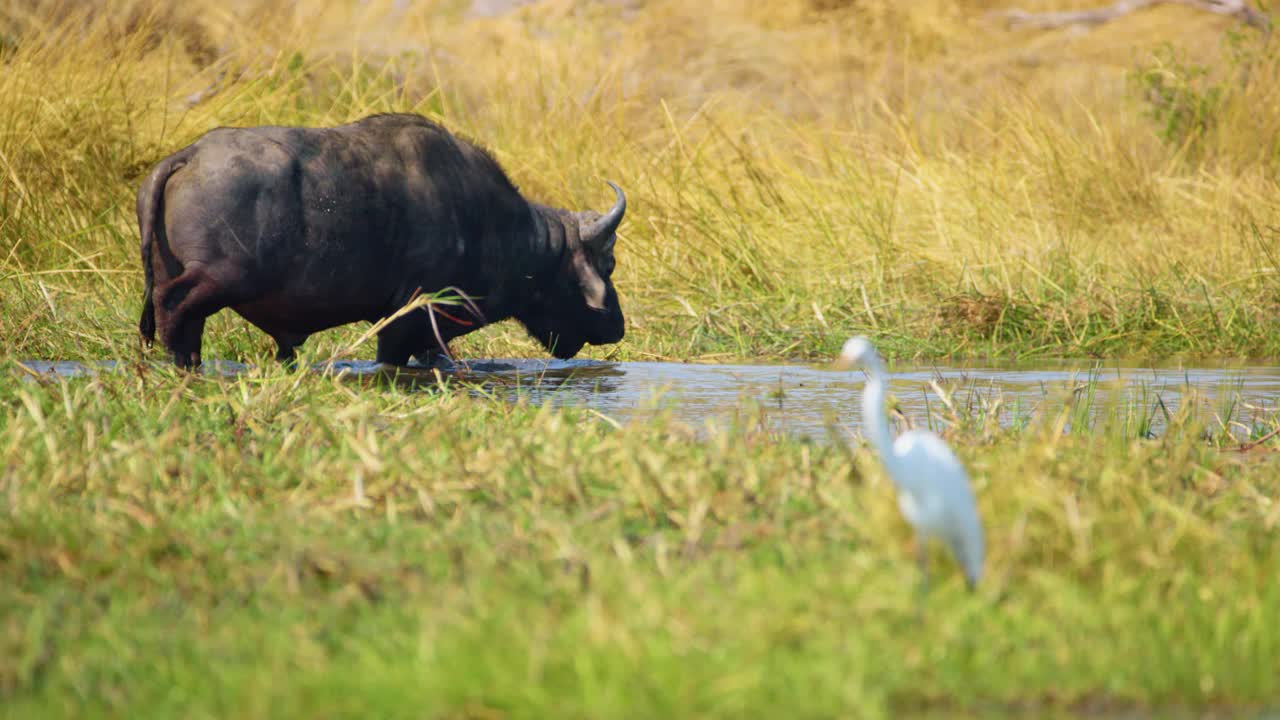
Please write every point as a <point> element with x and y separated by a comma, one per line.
<point>303,229</point>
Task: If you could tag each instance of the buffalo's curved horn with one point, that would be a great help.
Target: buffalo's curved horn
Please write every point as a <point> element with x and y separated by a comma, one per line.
<point>600,233</point>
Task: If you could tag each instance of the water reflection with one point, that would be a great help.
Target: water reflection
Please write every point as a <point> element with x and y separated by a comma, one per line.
<point>802,399</point>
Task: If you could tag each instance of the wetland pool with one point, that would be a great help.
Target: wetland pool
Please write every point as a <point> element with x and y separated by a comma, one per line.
<point>811,399</point>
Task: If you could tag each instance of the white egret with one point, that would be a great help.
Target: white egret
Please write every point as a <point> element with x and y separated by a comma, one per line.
<point>933,488</point>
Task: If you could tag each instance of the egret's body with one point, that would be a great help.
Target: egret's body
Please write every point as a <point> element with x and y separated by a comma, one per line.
<point>933,487</point>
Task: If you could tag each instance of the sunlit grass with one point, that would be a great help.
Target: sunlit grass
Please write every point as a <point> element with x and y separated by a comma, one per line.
<point>281,544</point>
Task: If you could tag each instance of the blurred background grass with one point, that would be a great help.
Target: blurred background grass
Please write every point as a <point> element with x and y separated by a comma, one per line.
<point>799,170</point>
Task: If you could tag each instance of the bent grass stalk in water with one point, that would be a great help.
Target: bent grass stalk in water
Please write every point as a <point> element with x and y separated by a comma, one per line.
<point>431,303</point>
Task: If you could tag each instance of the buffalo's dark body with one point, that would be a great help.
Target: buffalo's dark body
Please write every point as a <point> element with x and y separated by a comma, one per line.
<point>303,229</point>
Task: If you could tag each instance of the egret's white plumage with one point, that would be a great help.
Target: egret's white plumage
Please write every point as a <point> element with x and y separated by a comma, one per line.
<point>933,487</point>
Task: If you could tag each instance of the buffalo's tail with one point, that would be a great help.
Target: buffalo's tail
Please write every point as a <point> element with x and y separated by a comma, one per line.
<point>150,222</point>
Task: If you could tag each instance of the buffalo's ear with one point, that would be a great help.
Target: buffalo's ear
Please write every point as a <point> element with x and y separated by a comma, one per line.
<point>593,287</point>
<point>603,246</point>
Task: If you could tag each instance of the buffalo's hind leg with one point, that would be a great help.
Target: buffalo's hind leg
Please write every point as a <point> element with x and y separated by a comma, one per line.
<point>182,305</point>
<point>187,351</point>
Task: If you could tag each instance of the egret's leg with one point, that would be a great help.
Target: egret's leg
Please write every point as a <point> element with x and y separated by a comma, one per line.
<point>922,590</point>
<point>922,557</point>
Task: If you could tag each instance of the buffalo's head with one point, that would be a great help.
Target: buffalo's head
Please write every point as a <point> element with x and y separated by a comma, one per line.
<point>580,305</point>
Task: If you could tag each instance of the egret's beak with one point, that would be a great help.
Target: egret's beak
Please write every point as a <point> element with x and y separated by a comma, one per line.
<point>843,363</point>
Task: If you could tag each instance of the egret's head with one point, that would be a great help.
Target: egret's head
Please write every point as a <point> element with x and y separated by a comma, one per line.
<point>857,352</point>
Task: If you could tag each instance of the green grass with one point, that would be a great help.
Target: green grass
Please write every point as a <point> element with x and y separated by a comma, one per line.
<point>288,545</point>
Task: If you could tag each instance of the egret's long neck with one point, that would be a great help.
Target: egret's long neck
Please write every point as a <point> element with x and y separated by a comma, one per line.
<point>875,422</point>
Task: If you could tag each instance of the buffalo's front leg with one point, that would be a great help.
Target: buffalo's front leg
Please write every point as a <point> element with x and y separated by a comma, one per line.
<point>398,341</point>
<point>285,346</point>
<point>414,335</point>
<point>430,355</point>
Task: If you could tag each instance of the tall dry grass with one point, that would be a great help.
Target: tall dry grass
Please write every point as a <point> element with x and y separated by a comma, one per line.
<point>798,171</point>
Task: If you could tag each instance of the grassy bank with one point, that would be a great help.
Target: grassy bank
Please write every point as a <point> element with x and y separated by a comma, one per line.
<point>276,546</point>
<point>953,187</point>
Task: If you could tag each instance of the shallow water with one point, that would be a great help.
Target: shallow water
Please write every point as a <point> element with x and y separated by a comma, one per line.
<point>804,399</point>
